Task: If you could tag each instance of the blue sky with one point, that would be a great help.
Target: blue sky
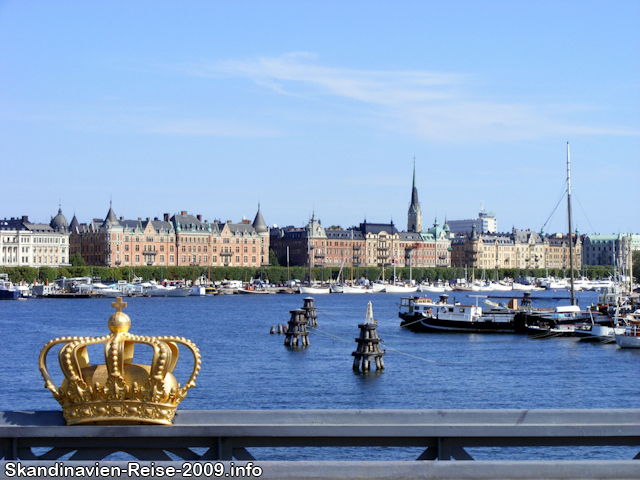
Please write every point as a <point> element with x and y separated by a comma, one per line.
<point>214,107</point>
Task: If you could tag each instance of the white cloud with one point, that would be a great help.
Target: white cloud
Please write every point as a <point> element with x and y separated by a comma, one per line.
<point>432,105</point>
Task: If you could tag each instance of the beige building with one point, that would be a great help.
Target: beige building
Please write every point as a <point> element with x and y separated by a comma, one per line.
<point>520,249</point>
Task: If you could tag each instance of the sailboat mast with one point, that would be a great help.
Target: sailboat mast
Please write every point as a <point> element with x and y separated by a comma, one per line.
<point>573,295</point>
<point>352,257</point>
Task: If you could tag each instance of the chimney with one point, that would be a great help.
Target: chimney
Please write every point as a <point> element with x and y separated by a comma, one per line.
<point>122,218</point>
<point>183,213</point>
<point>148,219</point>
<point>199,217</point>
<point>166,217</point>
<point>228,221</point>
<point>25,218</point>
<point>139,219</point>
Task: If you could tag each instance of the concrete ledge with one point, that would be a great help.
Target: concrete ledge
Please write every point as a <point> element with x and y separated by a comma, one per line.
<point>383,470</point>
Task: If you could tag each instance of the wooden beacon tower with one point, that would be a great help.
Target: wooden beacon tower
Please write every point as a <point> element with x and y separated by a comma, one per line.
<point>297,329</point>
<point>310,312</point>
<point>368,344</point>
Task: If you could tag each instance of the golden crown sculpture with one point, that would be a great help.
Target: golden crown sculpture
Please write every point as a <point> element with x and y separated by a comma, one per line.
<point>119,391</point>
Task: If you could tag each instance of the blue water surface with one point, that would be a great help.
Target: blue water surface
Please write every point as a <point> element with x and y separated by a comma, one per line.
<point>246,367</point>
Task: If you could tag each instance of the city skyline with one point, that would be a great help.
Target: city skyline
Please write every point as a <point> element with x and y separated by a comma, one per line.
<point>214,108</point>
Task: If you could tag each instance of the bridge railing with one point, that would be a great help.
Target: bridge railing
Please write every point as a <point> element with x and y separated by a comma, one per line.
<point>237,434</point>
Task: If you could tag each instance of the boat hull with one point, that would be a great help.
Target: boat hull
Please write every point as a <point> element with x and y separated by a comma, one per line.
<point>348,289</point>
<point>9,294</point>
<point>400,289</point>
<point>420,323</point>
<point>627,341</point>
<point>169,292</point>
<point>315,290</point>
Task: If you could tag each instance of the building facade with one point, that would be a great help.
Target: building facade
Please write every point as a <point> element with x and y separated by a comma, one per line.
<point>610,249</point>
<point>179,240</point>
<point>523,249</point>
<point>485,223</point>
<point>27,244</point>
<point>368,245</point>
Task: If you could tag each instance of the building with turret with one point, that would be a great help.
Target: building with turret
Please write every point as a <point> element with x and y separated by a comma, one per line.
<point>179,240</point>
<point>610,249</point>
<point>23,243</point>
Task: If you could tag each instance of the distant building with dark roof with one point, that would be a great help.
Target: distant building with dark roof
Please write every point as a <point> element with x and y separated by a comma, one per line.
<point>23,243</point>
<point>523,249</point>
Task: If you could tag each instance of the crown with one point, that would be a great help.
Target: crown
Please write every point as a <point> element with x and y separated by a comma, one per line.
<point>119,391</point>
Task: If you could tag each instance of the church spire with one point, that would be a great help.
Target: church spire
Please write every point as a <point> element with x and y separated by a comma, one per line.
<point>414,217</point>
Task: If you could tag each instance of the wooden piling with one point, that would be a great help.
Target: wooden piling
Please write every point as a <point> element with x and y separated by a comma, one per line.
<point>310,312</point>
<point>368,349</point>
<point>297,332</point>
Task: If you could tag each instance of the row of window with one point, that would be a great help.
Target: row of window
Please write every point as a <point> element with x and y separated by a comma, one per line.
<point>35,239</point>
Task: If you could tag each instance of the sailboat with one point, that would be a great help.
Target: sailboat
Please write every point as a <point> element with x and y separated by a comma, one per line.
<point>563,319</point>
<point>352,288</point>
<point>400,288</point>
<point>313,288</point>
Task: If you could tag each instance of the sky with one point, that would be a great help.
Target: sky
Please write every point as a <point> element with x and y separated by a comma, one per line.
<point>216,107</point>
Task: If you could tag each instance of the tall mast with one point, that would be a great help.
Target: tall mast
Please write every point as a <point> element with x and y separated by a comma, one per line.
<point>573,295</point>
<point>352,257</point>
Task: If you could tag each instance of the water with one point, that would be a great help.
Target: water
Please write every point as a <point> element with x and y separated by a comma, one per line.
<point>244,367</point>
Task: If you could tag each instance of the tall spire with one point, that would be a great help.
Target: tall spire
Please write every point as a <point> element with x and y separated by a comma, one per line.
<point>414,216</point>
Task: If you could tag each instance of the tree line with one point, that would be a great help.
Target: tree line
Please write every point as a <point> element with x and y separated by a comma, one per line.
<point>277,274</point>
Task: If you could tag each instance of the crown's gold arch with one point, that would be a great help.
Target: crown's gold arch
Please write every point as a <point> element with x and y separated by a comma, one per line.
<point>119,391</point>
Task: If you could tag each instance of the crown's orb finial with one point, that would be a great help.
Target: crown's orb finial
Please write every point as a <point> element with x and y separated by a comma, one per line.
<point>119,322</point>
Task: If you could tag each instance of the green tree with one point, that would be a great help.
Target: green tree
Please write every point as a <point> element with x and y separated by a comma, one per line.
<point>76,260</point>
<point>273,260</point>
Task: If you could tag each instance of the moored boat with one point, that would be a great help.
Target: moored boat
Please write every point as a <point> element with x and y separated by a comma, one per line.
<point>198,291</point>
<point>7,290</point>
<point>401,288</point>
<point>426,315</point>
<point>156,290</point>
<point>631,336</point>
<point>314,289</point>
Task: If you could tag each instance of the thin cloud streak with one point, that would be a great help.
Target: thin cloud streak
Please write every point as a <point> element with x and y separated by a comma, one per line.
<point>431,105</point>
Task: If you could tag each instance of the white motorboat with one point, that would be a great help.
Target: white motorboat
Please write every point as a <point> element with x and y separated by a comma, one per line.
<point>169,291</point>
<point>107,290</point>
<point>198,291</point>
